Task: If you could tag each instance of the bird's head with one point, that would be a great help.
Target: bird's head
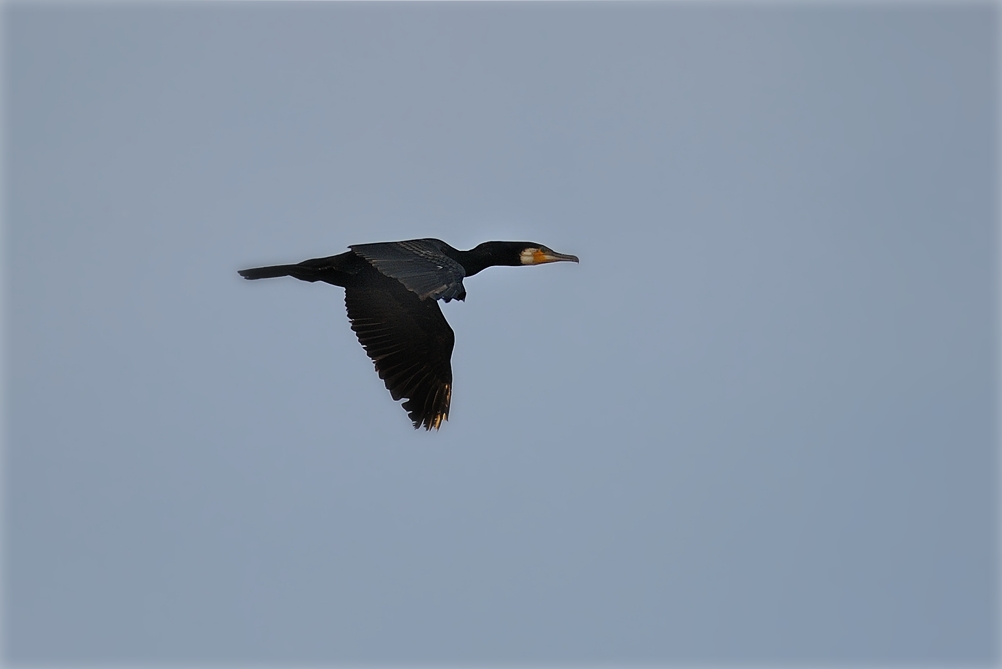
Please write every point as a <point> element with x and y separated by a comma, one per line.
<point>491,254</point>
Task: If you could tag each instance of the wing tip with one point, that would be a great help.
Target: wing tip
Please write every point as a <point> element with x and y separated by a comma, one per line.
<point>431,422</point>
<point>437,411</point>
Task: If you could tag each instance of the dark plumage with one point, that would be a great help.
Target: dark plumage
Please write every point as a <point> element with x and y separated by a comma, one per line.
<point>391,293</point>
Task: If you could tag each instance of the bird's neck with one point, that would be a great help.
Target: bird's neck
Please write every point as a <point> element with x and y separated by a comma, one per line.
<point>487,255</point>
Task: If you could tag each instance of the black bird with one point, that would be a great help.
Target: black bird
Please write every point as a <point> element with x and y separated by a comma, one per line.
<point>391,292</point>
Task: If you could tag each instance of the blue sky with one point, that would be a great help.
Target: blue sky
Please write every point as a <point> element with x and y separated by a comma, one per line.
<point>756,424</point>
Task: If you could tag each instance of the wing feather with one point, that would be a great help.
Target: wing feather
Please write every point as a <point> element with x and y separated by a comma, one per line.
<point>410,344</point>
<point>419,264</point>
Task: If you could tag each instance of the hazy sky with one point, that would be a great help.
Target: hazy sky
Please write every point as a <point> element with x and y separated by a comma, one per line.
<point>755,425</point>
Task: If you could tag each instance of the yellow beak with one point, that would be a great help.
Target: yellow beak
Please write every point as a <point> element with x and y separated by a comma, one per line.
<point>540,257</point>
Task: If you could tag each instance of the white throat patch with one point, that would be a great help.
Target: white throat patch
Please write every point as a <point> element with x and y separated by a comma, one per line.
<point>528,256</point>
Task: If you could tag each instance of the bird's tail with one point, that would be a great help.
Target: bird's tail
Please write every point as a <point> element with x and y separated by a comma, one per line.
<point>335,270</point>
<point>271,272</point>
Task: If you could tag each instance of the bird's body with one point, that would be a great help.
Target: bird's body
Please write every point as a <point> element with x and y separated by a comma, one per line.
<point>391,294</point>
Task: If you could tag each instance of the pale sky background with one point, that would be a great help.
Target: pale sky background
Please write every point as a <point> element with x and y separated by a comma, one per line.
<point>755,425</point>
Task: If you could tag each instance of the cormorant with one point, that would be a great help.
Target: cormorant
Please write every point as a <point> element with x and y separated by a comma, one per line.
<point>391,292</point>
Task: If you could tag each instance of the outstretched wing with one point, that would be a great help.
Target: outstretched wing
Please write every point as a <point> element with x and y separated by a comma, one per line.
<point>410,343</point>
<point>419,264</point>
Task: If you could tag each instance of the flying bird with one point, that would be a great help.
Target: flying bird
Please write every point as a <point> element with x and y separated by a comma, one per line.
<point>391,291</point>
